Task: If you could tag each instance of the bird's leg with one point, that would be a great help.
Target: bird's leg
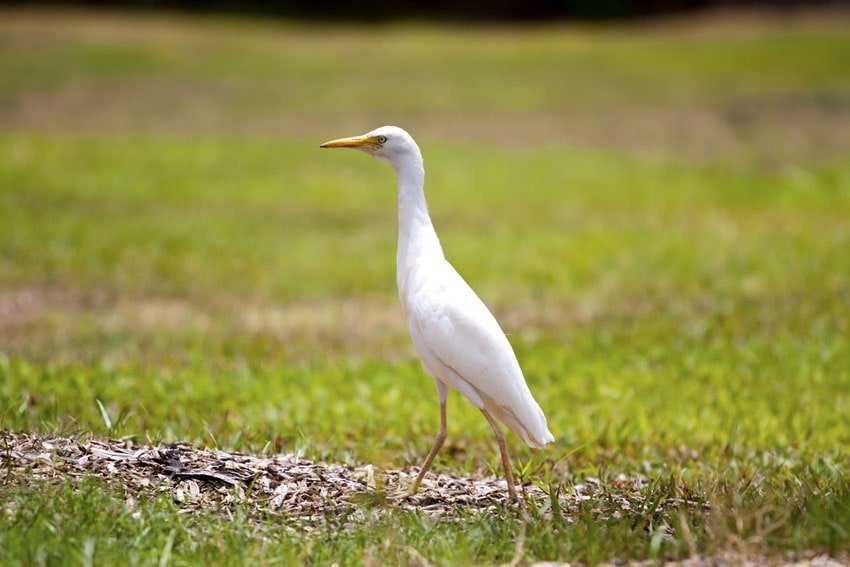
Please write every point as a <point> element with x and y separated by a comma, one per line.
<point>438,443</point>
<point>503,448</point>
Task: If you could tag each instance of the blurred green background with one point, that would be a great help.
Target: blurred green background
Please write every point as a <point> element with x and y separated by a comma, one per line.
<point>657,212</point>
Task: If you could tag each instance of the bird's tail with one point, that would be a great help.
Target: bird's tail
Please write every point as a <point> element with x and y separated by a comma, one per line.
<point>527,421</point>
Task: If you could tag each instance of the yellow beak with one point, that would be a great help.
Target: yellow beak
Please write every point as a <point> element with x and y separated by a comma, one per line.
<point>353,142</point>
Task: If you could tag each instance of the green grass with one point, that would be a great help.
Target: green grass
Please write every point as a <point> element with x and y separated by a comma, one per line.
<point>306,69</point>
<point>80,524</point>
<point>683,320</point>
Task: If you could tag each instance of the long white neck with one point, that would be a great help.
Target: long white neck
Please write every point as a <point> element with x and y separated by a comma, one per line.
<point>417,239</point>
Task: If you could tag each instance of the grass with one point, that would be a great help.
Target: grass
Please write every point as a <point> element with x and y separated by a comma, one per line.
<point>183,256</point>
<point>81,524</point>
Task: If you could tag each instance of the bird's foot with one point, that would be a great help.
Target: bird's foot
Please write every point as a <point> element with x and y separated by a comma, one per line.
<point>512,497</point>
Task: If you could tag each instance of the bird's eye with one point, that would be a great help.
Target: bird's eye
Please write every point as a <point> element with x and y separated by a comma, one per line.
<point>382,139</point>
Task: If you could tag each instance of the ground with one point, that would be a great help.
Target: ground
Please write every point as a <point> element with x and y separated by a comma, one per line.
<point>656,212</point>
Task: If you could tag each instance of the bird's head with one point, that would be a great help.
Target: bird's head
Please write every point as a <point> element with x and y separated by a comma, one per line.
<point>387,143</point>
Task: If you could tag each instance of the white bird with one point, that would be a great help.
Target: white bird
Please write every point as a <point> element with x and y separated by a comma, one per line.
<point>459,341</point>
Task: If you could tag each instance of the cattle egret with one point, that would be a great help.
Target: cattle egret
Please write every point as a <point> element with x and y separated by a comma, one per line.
<point>459,341</point>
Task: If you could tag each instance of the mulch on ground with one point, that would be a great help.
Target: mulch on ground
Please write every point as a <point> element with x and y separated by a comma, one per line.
<point>284,484</point>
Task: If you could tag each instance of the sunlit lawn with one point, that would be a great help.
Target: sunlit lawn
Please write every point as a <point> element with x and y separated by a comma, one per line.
<point>684,319</point>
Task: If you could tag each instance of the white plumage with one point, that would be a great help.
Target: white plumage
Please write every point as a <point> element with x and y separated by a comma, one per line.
<point>461,344</point>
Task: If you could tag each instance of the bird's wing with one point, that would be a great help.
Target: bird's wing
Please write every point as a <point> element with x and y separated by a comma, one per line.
<point>458,330</point>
